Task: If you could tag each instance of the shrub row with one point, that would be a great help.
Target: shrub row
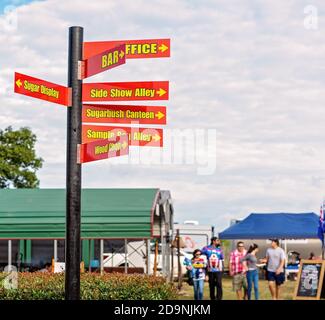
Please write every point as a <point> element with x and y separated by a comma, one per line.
<point>42,286</point>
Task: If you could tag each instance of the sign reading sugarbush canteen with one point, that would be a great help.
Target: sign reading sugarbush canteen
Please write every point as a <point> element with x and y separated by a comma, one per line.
<point>100,140</point>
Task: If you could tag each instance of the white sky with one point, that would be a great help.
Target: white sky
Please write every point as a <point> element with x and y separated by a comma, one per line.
<point>250,70</point>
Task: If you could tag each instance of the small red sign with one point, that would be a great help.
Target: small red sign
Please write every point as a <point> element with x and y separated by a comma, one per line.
<point>105,60</point>
<point>135,49</point>
<point>41,89</point>
<point>143,137</point>
<point>125,91</point>
<point>99,113</point>
<point>103,149</point>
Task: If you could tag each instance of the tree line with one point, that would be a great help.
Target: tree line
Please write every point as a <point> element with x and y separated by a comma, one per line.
<point>18,159</point>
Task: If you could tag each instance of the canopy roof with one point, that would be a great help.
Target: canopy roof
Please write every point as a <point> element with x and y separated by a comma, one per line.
<point>274,225</point>
<point>105,213</point>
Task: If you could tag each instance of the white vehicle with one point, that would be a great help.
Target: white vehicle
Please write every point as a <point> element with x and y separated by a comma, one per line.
<point>137,258</point>
<point>183,255</point>
<point>194,235</point>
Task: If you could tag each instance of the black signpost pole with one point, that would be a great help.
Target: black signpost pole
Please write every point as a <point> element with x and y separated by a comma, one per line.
<point>73,173</point>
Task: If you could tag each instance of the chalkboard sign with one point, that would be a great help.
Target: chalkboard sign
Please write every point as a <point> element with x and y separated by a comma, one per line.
<point>310,280</point>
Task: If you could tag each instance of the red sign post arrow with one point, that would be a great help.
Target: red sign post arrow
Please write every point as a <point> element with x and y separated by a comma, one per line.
<point>125,91</point>
<point>105,60</point>
<point>135,49</point>
<point>143,137</point>
<point>103,149</point>
<point>123,114</point>
<point>41,89</point>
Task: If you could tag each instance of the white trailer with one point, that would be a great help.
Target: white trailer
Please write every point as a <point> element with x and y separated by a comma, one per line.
<point>194,235</point>
<point>137,258</point>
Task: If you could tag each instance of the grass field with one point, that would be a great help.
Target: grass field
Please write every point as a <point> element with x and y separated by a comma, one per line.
<point>288,287</point>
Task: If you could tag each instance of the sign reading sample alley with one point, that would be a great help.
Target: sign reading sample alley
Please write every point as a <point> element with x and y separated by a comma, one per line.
<point>105,60</point>
<point>123,114</point>
<point>125,91</point>
<point>103,149</point>
<point>134,49</point>
<point>144,137</point>
<point>41,89</point>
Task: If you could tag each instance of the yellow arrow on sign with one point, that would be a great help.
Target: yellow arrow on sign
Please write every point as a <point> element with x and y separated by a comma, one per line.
<point>121,54</point>
<point>163,48</point>
<point>161,92</point>
<point>18,83</point>
<point>159,115</point>
<point>156,137</point>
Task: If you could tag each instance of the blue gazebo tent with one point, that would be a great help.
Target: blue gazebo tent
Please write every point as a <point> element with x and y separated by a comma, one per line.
<point>274,225</point>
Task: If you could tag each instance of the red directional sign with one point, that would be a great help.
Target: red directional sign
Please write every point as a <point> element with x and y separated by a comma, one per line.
<point>103,149</point>
<point>125,91</point>
<point>99,113</point>
<point>150,48</point>
<point>105,60</point>
<point>148,137</point>
<point>41,89</point>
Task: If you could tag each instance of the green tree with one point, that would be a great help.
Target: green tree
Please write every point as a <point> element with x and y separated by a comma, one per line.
<point>18,161</point>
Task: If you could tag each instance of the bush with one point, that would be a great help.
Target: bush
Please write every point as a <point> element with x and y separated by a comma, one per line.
<point>42,286</point>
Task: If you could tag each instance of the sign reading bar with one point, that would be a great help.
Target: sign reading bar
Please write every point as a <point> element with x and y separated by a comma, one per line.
<point>135,49</point>
<point>125,91</point>
<point>123,114</point>
<point>105,60</point>
<point>144,137</point>
<point>41,89</point>
<point>103,149</point>
<point>310,280</point>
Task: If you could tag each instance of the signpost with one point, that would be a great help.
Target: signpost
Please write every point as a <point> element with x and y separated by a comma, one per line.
<point>86,143</point>
<point>103,61</point>
<point>103,149</point>
<point>73,171</point>
<point>41,89</point>
<point>143,137</point>
<point>310,280</point>
<point>135,49</point>
<point>95,113</point>
<point>126,91</point>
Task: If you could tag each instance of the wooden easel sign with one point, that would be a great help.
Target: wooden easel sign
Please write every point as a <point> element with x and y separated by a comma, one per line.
<point>310,280</point>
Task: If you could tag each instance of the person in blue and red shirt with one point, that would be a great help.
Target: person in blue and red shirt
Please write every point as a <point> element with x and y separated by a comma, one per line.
<point>215,259</point>
<point>197,269</point>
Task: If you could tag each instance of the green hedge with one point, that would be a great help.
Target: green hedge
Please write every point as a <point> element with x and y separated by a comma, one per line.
<point>42,286</point>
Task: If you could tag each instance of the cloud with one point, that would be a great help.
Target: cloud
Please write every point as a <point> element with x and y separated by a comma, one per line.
<point>248,70</point>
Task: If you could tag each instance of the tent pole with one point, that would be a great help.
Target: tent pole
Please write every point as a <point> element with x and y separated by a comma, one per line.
<point>9,255</point>
<point>322,251</point>
<point>55,250</point>
<point>101,256</point>
<point>286,260</point>
<point>126,255</point>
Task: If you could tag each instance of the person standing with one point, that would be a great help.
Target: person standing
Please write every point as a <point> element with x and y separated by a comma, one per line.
<point>249,262</point>
<point>275,259</point>
<point>236,270</point>
<point>198,267</point>
<point>312,256</point>
<point>215,259</point>
<point>47,268</point>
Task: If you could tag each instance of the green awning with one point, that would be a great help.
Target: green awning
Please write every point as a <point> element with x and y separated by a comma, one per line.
<point>105,213</point>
